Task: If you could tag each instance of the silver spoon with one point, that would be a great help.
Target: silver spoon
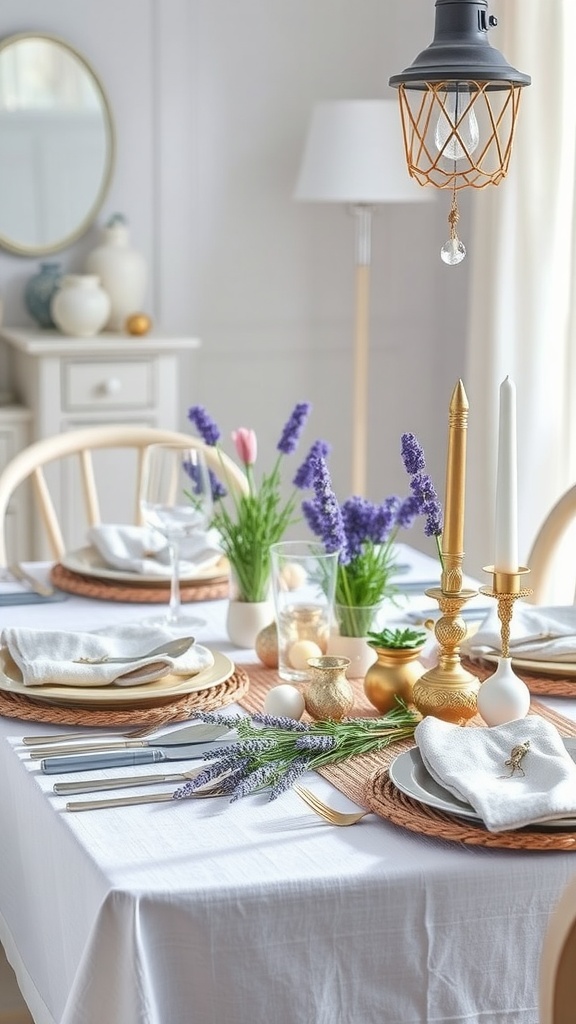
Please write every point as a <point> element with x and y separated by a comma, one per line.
<point>170,648</point>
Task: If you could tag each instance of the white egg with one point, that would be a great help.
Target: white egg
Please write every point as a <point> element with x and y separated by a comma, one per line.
<point>291,576</point>
<point>284,701</point>
<point>299,652</point>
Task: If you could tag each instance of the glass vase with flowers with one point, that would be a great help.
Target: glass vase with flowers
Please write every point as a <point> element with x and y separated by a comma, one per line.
<point>248,524</point>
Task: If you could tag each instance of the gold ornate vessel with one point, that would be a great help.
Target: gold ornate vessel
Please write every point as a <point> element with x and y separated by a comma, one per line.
<point>392,675</point>
<point>328,694</point>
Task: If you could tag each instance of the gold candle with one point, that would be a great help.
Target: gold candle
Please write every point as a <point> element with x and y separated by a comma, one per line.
<point>454,503</point>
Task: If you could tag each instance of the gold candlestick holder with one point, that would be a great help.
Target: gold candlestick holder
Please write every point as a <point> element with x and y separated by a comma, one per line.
<point>448,691</point>
<point>506,588</point>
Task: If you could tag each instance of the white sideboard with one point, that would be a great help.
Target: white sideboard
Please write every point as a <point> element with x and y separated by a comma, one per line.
<point>64,383</point>
<point>15,434</point>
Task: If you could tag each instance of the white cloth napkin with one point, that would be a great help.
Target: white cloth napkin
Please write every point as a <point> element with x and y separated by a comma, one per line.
<point>471,764</point>
<point>141,549</point>
<point>51,656</point>
<point>536,633</point>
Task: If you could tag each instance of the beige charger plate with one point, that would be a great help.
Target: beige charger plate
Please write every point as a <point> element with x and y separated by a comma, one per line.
<point>87,561</point>
<point>168,688</point>
<point>544,668</point>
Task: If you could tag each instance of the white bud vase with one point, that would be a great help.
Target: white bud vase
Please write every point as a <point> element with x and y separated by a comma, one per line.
<point>122,271</point>
<point>503,697</point>
<point>80,306</point>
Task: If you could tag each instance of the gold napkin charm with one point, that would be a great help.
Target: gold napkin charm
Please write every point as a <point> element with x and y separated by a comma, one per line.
<point>514,762</point>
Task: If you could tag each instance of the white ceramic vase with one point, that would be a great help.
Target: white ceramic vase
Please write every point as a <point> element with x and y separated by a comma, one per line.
<point>122,271</point>
<point>80,306</point>
<point>245,619</point>
<point>503,697</point>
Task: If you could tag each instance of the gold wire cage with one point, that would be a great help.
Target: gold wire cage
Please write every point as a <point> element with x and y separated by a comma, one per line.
<point>459,134</point>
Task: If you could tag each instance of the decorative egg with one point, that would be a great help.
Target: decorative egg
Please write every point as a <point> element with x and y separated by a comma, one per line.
<point>292,575</point>
<point>138,323</point>
<point>299,653</point>
<point>266,646</point>
<point>284,701</point>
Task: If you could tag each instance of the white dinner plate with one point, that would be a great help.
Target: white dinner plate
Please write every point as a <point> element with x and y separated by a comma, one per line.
<point>88,561</point>
<point>544,668</point>
<point>409,775</point>
<point>105,697</point>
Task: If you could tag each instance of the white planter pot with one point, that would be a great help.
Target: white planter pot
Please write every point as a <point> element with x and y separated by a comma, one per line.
<point>80,306</point>
<point>354,648</point>
<point>122,271</point>
<point>244,620</point>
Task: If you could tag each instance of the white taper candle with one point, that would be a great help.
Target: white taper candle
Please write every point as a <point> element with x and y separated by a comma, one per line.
<point>506,524</point>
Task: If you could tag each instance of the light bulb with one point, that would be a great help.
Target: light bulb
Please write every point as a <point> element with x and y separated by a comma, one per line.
<point>457,100</point>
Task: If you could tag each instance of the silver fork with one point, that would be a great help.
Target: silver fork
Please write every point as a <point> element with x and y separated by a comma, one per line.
<point>332,816</point>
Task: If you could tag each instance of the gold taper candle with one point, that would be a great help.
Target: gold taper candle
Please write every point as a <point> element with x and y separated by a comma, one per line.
<point>454,503</point>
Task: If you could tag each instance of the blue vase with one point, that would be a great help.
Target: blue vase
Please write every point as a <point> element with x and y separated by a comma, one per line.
<point>39,291</point>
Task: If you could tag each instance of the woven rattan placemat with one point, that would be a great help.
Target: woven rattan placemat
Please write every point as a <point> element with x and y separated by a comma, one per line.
<point>88,586</point>
<point>15,705</point>
<point>365,780</point>
<point>539,684</point>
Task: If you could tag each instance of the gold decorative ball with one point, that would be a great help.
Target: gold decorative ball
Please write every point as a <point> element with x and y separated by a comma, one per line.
<point>138,323</point>
<point>266,646</point>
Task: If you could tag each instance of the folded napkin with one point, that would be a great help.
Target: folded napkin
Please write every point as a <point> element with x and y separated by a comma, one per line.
<point>537,633</point>
<point>52,657</point>
<point>471,763</point>
<point>141,549</point>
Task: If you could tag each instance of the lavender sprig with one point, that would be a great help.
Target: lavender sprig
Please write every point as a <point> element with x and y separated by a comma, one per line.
<point>426,500</point>
<point>272,756</point>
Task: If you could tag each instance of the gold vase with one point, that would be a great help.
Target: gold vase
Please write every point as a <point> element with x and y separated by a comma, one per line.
<point>328,694</point>
<point>392,675</point>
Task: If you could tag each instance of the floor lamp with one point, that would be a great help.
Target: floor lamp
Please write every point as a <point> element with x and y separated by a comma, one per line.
<point>354,155</point>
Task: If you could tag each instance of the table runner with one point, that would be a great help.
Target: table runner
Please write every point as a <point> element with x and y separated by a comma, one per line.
<point>351,776</point>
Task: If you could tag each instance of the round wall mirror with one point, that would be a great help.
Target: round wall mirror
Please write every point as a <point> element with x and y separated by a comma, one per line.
<point>56,144</point>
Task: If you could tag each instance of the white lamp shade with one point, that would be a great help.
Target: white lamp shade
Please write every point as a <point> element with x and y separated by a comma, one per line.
<point>354,153</point>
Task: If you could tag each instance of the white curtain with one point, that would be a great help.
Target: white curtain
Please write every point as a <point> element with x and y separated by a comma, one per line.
<point>523,284</point>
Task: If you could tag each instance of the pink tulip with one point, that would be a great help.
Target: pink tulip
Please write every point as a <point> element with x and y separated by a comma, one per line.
<point>246,445</point>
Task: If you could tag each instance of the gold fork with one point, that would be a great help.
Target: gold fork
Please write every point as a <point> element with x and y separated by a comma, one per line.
<point>329,814</point>
<point>61,737</point>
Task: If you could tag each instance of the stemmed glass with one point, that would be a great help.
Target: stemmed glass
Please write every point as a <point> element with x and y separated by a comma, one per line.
<point>176,499</point>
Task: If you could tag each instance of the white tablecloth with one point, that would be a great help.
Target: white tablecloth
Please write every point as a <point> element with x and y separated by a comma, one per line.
<point>254,913</point>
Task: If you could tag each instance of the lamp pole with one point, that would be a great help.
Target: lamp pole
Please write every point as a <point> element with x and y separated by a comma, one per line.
<point>363,241</point>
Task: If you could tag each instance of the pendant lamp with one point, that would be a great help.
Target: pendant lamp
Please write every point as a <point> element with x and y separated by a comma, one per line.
<point>459,102</point>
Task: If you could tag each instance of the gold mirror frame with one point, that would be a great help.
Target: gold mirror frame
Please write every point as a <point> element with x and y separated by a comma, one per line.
<point>12,244</point>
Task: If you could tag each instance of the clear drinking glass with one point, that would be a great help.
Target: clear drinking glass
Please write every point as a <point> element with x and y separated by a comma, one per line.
<point>303,582</point>
<point>176,499</point>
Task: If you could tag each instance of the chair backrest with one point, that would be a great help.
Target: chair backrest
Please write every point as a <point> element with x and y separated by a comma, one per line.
<point>30,461</point>
<point>545,546</point>
<point>557,982</point>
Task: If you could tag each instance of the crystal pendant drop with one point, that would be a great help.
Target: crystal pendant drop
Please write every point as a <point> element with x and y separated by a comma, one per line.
<point>453,251</point>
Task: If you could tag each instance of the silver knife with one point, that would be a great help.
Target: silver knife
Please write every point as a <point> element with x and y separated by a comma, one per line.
<point>19,573</point>
<point>123,782</point>
<point>121,758</point>
<point>179,737</point>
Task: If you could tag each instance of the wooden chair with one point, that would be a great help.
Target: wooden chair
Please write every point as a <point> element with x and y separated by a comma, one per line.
<point>557,982</point>
<point>545,547</point>
<point>30,463</point>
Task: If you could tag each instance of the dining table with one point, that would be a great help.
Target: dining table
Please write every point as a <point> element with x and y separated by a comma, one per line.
<point>254,911</point>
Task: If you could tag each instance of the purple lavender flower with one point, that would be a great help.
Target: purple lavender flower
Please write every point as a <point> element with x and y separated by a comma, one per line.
<point>293,772</point>
<point>305,474</point>
<point>216,718</point>
<point>412,454</point>
<point>323,513</point>
<point>318,743</point>
<point>280,722</point>
<point>254,780</point>
<point>294,427</point>
<point>428,503</point>
<point>205,425</point>
<point>407,512</point>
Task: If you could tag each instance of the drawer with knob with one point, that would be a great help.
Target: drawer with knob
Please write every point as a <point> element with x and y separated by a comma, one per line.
<point>90,385</point>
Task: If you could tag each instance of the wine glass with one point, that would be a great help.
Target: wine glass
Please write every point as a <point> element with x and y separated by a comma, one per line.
<point>176,499</point>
